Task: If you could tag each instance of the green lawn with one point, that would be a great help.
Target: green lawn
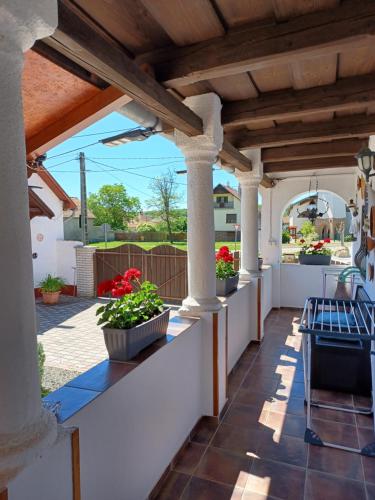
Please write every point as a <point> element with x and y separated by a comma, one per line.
<point>147,245</point>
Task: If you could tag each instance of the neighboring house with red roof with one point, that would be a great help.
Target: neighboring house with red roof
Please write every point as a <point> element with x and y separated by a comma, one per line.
<point>47,202</point>
<point>227,211</point>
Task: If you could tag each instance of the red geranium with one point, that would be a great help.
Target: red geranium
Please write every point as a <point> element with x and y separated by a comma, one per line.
<point>327,240</point>
<point>118,278</point>
<point>105,287</point>
<point>132,274</point>
<point>224,254</point>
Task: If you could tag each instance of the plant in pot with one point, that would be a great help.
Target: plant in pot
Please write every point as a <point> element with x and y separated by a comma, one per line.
<point>135,316</point>
<point>50,288</point>
<point>226,276</point>
<point>315,254</point>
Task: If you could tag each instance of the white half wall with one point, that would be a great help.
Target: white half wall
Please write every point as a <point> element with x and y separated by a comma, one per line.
<point>66,260</point>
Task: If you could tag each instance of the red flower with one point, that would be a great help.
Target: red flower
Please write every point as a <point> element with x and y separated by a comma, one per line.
<point>302,241</point>
<point>105,287</point>
<point>327,240</point>
<point>118,278</point>
<point>124,289</point>
<point>224,254</point>
<point>224,249</point>
<point>318,245</point>
<point>132,274</point>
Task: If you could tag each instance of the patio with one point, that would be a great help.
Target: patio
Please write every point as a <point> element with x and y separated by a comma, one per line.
<point>257,450</point>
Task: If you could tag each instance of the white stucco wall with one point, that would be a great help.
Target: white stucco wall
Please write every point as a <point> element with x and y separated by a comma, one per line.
<point>274,202</point>
<point>221,213</point>
<point>54,256</point>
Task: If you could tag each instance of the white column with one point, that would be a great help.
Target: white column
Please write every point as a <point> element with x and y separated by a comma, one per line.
<point>24,426</point>
<point>249,182</point>
<point>200,154</point>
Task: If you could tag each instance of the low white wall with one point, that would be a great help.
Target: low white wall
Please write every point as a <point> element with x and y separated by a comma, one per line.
<point>49,477</point>
<point>297,282</point>
<point>242,324</point>
<point>66,260</point>
<point>130,433</point>
<point>266,291</point>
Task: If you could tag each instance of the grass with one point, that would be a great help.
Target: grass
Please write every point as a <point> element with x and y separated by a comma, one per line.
<point>147,245</point>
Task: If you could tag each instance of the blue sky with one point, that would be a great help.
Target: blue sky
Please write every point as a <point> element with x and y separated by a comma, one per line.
<point>145,159</point>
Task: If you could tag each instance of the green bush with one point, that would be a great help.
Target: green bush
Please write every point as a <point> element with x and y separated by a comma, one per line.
<point>145,227</point>
<point>285,237</point>
<point>51,284</point>
<point>348,238</point>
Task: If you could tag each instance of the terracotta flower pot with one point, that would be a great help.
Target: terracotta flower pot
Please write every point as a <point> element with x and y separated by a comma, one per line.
<point>50,297</point>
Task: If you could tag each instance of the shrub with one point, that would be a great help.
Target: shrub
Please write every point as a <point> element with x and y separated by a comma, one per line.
<point>308,230</point>
<point>348,238</point>
<point>285,237</point>
<point>145,227</point>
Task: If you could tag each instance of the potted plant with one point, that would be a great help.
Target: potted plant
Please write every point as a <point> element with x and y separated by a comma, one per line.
<point>315,254</point>
<point>226,276</point>
<point>135,316</point>
<point>51,288</point>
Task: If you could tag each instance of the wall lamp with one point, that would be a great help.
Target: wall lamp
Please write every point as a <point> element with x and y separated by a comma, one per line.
<point>139,134</point>
<point>365,159</point>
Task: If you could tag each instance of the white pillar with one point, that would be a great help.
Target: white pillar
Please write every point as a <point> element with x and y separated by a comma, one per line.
<point>249,182</point>
<point>24,426</point>
<point>200,154</point>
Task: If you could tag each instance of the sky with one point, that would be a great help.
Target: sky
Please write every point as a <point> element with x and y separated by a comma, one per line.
<point>144,161</point>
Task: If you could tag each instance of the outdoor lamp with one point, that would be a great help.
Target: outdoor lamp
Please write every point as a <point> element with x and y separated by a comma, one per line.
<point>365,159</point>
<point>138,134</point>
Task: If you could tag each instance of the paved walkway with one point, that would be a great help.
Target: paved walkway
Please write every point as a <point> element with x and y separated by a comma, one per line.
<point>258,451</point>
<point>72,341</point>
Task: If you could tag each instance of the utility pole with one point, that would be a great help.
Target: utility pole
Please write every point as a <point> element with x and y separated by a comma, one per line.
<point>83,218</point>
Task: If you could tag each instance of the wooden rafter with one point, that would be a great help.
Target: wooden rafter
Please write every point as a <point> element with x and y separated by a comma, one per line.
<point>310,164</point>
<point>344,147</point>
<point>83,41</point>
<point>268,44</point>
<point>89,112</point>
<point>298,133</point>
<point>346,94</point>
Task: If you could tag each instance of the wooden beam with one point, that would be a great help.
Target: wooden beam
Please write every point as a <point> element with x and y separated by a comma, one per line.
<point>346,94</point>
<point>298,133</point>
<point>83,41</point>
<point>229,154</point>
<point>88,112</point>
<point>311,164</point>
<point>267,182</point>
<point>254,47</point>
<point>345,147</point>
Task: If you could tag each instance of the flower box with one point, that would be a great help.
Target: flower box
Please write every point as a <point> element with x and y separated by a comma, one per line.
<point>123,345</point>
<point>224,287</point>
<point>314,259</point>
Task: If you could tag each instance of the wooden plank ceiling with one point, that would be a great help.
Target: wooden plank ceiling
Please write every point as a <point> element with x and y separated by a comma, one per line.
<point>290,73</point>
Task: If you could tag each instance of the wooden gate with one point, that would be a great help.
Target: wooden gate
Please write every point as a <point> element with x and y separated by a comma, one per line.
<point>165,265</point>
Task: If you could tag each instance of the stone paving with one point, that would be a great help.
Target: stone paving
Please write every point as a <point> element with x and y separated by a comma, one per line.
<point>72,341</point>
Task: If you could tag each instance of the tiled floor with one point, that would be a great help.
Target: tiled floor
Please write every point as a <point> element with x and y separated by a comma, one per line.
<point>258,451</point>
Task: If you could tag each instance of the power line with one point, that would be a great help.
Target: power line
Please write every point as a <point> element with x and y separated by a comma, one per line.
<point>122,182</point>
<point>137,158</point>
<point>73,150</point>
<point>103,133</point>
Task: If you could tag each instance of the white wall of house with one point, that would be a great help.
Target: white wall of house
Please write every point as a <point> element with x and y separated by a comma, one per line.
<point>274,203</point>
<point>220,214</point>
<point>46,238</point>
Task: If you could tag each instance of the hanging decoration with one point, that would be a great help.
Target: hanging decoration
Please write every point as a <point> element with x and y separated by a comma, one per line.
<point>312,212</point>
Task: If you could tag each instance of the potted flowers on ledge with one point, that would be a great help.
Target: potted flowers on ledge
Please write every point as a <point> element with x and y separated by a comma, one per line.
<point>315,254</point>
<point>226,276</point>
<point>135,316</point>
<point>50,288</point>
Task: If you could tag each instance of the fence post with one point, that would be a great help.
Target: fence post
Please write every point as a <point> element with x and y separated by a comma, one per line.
<point>85,257</point>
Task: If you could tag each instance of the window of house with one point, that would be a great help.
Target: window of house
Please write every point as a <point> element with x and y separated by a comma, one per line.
<point>231,219</point>
<point>222,199</point>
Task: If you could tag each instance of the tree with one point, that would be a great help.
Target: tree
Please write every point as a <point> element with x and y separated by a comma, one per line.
<point>113,206</point>
<point>164,200</point>
<point>308,230</point>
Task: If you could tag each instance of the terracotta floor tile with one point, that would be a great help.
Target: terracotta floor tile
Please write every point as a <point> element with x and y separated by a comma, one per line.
<point>262,384</point>
<point>173,486</point>
<point>224,466</point>
<point>320,486</point>
<point>286,449</point>
<point>365,421</point>
<point>276,479</point>
<point>246,416</point>
<point>189,458</point>
<point>362,402</point>
<point>204,431</point>
<point>237,439</point>
<point>252,495</point>
<point>370,491</point>
<point>201,489</point>
<point>332,397</point>
<point>261,400</point>
<point>338,462</point>
<point>369,469</point>
<point>291,389</point>
<point>365,436</point>
<point>285,424</point>
<point>335,432</point>
<point>333,415</point>
<point>293,406</point>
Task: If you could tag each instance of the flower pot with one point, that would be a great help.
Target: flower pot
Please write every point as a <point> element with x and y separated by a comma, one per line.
<point>123,345</point>
<point>50,297</point>
<point>314,260</point>
<point>223,287</point>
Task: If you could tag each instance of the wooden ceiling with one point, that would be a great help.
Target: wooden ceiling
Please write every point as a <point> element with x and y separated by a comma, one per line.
<point>290,73</point>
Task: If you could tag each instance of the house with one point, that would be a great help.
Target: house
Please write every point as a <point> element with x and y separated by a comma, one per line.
<point>72,225</point>
<point>47,202</point>
<point>227,211</point>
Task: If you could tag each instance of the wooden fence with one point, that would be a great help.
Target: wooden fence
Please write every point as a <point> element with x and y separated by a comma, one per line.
<point>164,265</point>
